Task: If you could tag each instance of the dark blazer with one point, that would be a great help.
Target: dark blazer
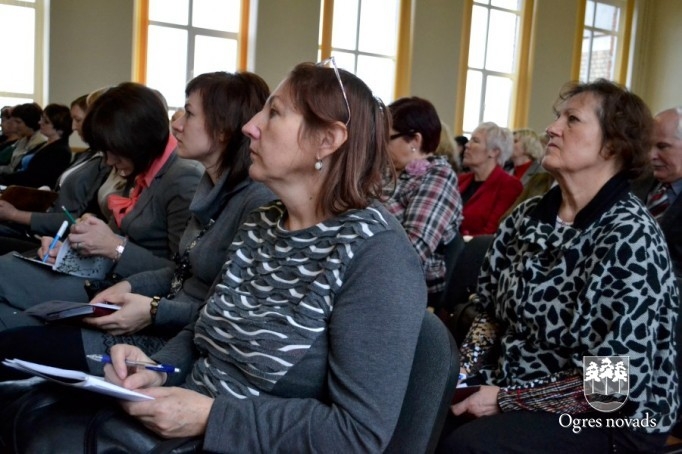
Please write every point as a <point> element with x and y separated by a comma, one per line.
<point>483,210</point>
<point>44,168</point>
<point>77,193</point>
<point>670,222</point>
<point>158,219</point>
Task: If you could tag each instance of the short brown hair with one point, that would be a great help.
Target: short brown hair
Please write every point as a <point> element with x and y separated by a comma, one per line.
<point>625,120</point>
<point>355,169</point>
<point>228,102</point>
<point>129,121</point>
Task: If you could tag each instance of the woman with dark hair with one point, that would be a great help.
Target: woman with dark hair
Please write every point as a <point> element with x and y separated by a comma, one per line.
<point>576,284</point>
<point>26,118</point>
<point>42,165</point>
<point>425,199</point>
<point>9,136</point>
<point>306,341</point>
<point>218,105</point>
<point>130,124</point>
<point>77,186</point>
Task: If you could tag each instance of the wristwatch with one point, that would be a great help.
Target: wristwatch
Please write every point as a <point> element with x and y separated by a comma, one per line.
<point>154,307</point>
<point>120,248</point>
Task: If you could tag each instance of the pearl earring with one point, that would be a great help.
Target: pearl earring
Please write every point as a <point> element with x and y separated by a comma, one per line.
<point>413,149</point>
<point>318,165</point>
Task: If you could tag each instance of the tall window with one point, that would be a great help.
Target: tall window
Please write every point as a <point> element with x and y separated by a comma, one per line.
<point>21,77</point>
<point>186,38</point>
<point>604,46</point>
<point>493,55</point>
<point>362,35</point>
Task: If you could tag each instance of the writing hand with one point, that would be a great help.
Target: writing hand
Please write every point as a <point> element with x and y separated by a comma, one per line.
<point>131,378</point>
<point>45,249</point>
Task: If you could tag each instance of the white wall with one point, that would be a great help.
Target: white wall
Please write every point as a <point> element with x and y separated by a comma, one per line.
<point>91,46</point>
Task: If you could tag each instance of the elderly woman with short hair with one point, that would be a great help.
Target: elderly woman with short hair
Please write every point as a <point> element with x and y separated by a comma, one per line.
<point>487,191</point>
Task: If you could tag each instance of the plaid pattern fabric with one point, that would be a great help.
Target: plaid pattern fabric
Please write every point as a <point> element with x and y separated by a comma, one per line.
<point>428,205</point>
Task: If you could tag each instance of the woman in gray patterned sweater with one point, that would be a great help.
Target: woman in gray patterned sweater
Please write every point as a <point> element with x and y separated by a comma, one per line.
<point>307,341</point>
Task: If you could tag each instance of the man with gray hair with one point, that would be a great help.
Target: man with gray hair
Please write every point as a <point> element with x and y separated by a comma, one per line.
<point>662,192</point>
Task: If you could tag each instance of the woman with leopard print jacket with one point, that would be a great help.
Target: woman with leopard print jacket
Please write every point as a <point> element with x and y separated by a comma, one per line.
<point>583,271</point>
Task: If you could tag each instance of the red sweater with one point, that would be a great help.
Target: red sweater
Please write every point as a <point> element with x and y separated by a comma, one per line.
<point>483,210</point>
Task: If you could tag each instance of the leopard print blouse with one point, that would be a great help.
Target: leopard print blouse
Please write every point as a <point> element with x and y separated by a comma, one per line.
<point>555,293</point>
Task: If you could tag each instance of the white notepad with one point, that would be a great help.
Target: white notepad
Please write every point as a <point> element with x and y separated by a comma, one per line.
<point>77,379</point>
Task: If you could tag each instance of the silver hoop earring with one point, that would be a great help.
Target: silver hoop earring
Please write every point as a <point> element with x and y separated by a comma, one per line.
<point>318,165</point>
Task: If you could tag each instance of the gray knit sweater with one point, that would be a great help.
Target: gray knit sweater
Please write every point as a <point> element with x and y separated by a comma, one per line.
<point>307,342</point>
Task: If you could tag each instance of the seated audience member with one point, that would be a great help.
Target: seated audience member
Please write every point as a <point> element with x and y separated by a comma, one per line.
<point>130,123</point>
<point>526,155</point>
<point>582,271</point>
<point>661,191</point>
<point>26,118</point>
<point>42,165</point>
<point>425,199</point>
<point>10,136</point>
<point>77,186</point>
<point>218,105</point>
<point>4,116</point>
<point>461,142</point>
<point>305,290</point>
<point>487,191</point>
<point>448,148</point>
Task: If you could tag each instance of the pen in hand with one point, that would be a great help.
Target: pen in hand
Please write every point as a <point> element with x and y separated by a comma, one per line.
<point>68,215</point>
<point>149,366</point>
<point>55,240</point>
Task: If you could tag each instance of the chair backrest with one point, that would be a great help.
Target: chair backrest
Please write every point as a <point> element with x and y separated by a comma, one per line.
<point>429,391</point>
<point>462,280</point>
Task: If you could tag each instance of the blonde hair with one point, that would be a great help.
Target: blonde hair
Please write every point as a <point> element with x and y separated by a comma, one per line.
<point>447,146</point>
<point>93,95</point>
<point>532,145</point>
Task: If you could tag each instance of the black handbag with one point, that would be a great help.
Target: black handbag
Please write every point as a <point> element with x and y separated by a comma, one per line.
<point>53,418</point>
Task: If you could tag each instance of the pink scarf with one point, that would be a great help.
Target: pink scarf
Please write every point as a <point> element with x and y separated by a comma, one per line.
<point>120,205</point>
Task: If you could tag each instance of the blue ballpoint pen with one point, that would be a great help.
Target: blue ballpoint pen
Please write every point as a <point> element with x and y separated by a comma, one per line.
<point>149,366</point>
<point>56,239</point>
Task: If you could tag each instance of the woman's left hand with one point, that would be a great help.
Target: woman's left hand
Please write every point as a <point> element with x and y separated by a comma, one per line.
<point>91,236</point>
<point>481,403</point>
<point>174,412</point>
<point>132,317</point>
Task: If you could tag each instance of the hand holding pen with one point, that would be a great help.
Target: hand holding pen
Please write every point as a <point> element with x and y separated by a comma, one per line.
<point>142,364</point>
<point>55,240</point>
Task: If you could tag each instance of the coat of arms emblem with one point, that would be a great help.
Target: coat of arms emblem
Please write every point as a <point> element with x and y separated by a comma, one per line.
<point>606,381</point>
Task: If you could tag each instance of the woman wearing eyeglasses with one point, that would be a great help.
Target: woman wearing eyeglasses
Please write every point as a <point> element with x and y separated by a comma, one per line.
<point>218,105</point>
<point>425,199</point>
<point>306,341</point>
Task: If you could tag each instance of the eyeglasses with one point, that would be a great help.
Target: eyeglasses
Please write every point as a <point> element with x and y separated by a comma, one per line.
<point>401,134</point>
<point>331,61</point>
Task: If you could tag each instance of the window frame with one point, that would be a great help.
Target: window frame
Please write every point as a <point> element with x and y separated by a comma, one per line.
<point>403,57</point>
<point>621,64</point>
<point>140,39</point>
<point>41,52</point>
<point>520,76</point>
